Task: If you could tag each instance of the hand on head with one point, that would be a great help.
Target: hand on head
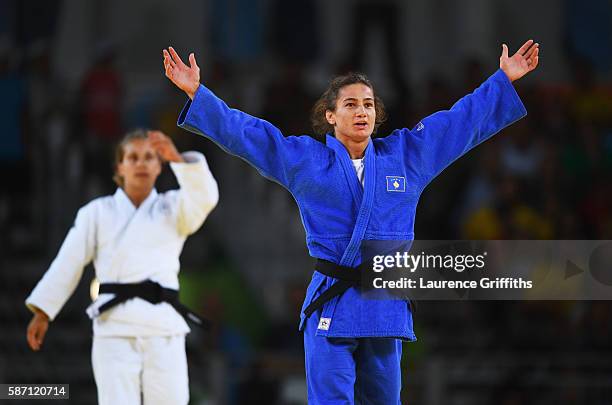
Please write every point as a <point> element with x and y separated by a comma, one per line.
<point>164,146</point>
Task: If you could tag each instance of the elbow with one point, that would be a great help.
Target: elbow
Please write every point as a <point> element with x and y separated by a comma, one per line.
<point>213,198</point>
<point>208,206</point>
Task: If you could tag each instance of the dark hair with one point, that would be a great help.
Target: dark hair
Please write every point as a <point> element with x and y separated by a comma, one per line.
<point>328,99</point>
<point>139,133</point>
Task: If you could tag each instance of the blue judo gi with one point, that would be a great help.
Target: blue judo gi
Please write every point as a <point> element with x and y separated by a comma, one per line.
<point>353,344</point>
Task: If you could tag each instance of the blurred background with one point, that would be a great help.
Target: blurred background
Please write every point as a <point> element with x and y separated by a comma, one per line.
<point>76,75</point>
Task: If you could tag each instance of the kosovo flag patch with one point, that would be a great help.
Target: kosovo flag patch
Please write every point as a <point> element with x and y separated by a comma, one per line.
<point>396,183</point>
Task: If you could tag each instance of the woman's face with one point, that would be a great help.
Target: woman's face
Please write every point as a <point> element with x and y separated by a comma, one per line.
<point>355,113</point>
<point>140,166</point>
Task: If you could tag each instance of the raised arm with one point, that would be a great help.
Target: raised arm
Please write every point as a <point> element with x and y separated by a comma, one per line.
<point>255,140</point>
<point>60,281</point>
<point>443,137</point>
<point>198,194</point>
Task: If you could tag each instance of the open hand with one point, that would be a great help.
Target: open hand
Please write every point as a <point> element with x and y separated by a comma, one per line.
<point>164,147</point>
<point>522,62</point>
<point>186,78</point>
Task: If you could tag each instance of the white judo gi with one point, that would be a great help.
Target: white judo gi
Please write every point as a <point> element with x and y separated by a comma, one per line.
<point>138,347</point>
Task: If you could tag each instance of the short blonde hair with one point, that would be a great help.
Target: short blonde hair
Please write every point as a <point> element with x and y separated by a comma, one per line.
<point>140,133</point>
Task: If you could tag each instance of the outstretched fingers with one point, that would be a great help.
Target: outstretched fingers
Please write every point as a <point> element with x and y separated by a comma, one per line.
<point>534,59</point>
<point>531,51</point>
<point>192,61</point>
<point>175,56</point>
<point>504,51</point>
<point>523,49</point>
<point>186,78</point>
<point>169,65</point>
<point>168,62</point>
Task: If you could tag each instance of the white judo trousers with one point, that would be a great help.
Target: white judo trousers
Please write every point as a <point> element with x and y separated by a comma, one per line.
<point>134,370</point>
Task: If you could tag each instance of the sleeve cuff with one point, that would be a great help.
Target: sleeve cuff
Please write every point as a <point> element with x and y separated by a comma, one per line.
<point>194,162</point>
<point>516,99</point>
<point>190,157</point>
<point>183,116</point>
<point>31,305</point>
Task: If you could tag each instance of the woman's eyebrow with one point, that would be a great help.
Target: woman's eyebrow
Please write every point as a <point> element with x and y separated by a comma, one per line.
<point>355,99</point>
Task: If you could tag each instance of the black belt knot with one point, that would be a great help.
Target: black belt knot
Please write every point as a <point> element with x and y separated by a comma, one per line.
<point>347,277</point>
<point>152,292</point>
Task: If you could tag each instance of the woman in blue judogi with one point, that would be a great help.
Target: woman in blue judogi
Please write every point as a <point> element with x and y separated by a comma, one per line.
<point>352,190</point>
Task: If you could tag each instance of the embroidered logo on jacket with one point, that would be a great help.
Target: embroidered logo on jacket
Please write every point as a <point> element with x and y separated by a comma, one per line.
<point>396,183</point>
<point>420,126</point>
<point>324,323</point>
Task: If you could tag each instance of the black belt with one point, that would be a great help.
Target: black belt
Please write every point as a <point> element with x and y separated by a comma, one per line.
<point>150,291</point>
<point>347,277</point>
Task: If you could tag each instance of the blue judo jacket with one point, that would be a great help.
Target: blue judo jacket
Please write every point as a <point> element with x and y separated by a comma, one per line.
<point>339,214</point>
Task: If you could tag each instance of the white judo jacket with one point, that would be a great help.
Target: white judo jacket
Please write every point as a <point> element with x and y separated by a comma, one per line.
<point>129,245</point>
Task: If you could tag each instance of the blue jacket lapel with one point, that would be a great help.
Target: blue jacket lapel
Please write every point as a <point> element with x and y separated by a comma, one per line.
<point>348,168</point>
<point>363,196</point>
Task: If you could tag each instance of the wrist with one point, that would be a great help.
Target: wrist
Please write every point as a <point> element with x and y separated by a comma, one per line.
<point>178,159</point>
<point>510,77</point>
<point>191,92</point>
<point>39,313</point>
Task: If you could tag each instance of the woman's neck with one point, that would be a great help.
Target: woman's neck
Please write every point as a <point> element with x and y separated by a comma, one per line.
<point>137,195</point>
<point>356,149</point>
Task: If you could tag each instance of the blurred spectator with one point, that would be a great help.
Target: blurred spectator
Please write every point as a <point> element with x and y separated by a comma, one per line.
<point>509,217</point>
<point>13,107</point>
<point>480,189</point>
<point>521,152</point>
<point>102,96</point>
<point>589,101</point>
<point>100,103</point>
<point>14,159</point>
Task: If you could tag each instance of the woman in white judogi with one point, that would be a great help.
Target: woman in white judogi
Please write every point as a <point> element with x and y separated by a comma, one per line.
<point>132,236</point>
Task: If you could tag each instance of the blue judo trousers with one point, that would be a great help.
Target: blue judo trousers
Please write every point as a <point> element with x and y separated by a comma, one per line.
<point>353,344</point>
